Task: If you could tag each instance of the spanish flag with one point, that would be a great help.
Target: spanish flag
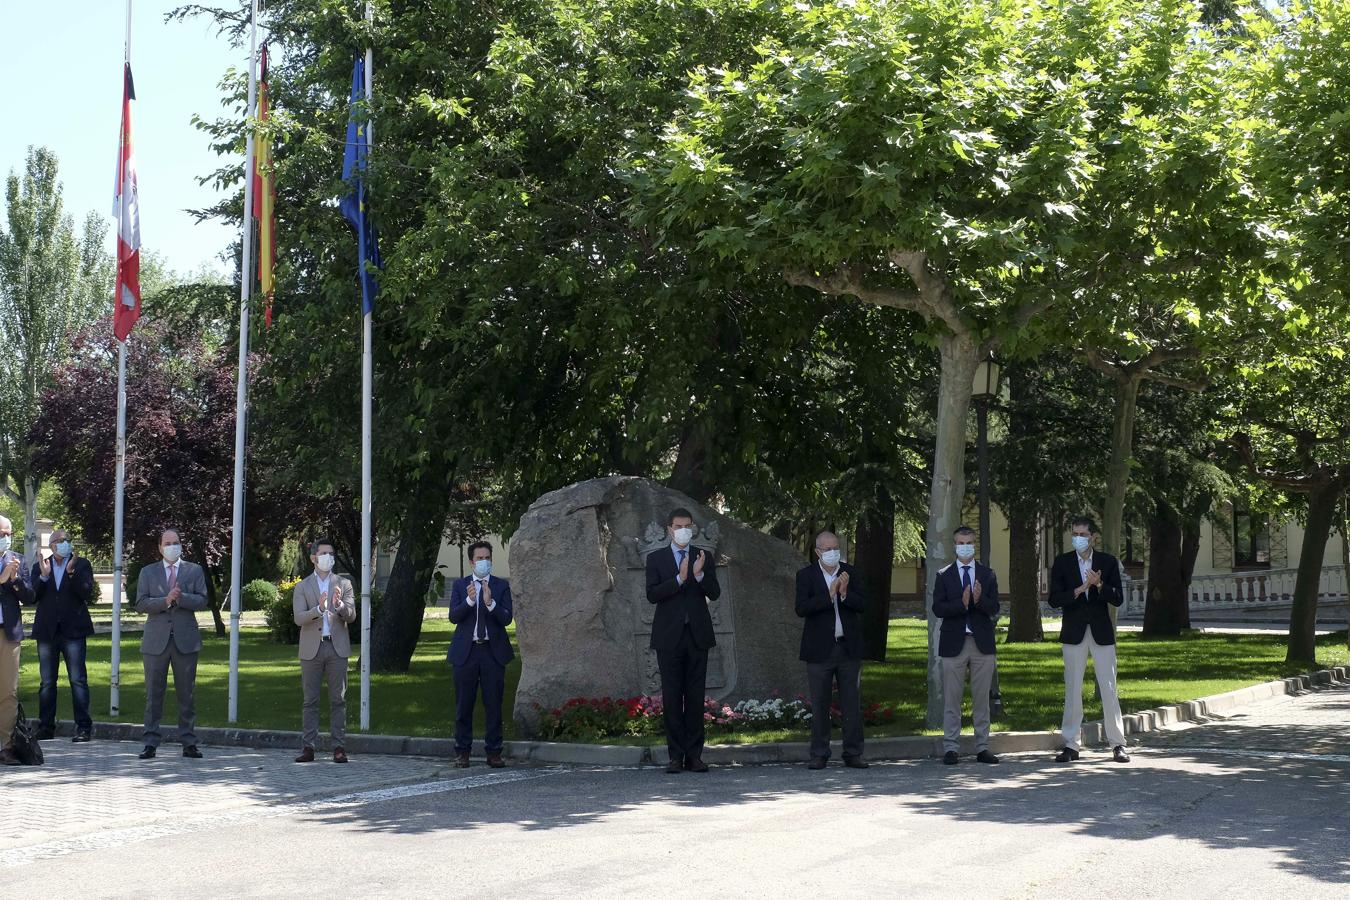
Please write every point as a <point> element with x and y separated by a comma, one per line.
<point>264,198</point>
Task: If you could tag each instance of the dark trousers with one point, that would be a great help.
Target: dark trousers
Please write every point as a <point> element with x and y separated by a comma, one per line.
<point>821,678</point>
<point>49,668</point>
<point>480,669</point>
<point>684,676</point>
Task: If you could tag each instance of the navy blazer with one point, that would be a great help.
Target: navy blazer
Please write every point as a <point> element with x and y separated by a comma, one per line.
<point>1089,609</point>
<point>674,601</point>
<point>14,592</point>
<point>63,614</point>
<point>947,606</point>
<point>816,608</point>
<point>464,615</point>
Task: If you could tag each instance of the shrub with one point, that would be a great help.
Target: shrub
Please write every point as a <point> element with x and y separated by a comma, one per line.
<point>259,595</point>
<point>281,625</point>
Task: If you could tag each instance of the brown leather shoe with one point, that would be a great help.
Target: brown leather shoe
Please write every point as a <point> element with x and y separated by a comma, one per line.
<point>496,761</point>
<point>695,764</point>
<point>674,767</point>
<point>306,755</point>
<point>339,755</point>
<point>817,762</point>
<point>462,761</point>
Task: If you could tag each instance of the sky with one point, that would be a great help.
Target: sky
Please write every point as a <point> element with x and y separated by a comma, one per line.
<point>62,68</point>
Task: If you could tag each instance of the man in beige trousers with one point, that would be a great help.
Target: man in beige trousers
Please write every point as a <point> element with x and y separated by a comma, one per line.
<point>324,603</point>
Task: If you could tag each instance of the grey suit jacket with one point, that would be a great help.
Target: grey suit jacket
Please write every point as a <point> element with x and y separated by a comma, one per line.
<point>305,602</point>
<point>180,622</point>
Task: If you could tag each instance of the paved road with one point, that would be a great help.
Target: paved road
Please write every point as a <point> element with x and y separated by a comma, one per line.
<point>1253,805</point>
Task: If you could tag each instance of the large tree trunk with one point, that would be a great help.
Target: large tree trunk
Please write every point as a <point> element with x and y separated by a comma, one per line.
<point>30,529</point>
<point>396,623</point>
<point>1303,614</point>
<point>213,598</point>
<point>1190,552</point>
<point>874,555</point>
<point>1024,584</point>
<point>690,475</point>
<point>1166,576</point>
<point>960,355</point>
<point>1345,559</point>
<point>1118,469</point>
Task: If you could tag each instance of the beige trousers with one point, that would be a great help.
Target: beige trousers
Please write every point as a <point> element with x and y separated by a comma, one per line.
<point>9,688</point>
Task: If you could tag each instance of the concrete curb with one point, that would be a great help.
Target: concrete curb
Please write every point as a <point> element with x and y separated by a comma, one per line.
<point>906,747</point>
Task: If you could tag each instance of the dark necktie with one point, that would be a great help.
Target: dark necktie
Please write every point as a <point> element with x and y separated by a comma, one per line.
<point>679,559</point>
<point>480,626</point>
<point>965,577</point>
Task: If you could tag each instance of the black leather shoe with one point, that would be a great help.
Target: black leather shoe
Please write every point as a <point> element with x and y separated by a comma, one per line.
<point>951,758</point>
<point>674,767</point>
<point>44,733</point>
<point>7,758</point>
<point>695,764</point>
<point>81,737</point>
<point>817,762</point>
<point>1066,754</point>
<point>191,752</point>
<point>147,753</point>
<point>1119,754</point>
<point>985,756</point>
<point>855,762</point>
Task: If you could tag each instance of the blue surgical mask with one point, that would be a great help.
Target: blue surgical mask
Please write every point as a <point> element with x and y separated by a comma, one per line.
<point>965,552</point>
<point>4,544</point>
<point>830,557</point>
<point>1081,542</point>
<point>63,549</point>
<point>482,568</point>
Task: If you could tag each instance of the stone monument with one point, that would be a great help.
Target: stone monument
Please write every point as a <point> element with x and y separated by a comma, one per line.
<point>583,623</point>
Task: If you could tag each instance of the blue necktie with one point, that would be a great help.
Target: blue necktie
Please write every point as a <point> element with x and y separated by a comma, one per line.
<point>965,576</point>
<point>679,559</point>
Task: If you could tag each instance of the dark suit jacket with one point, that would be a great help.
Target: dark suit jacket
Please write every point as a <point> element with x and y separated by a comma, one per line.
<point>674,601</point>
<point>947,606</point>
<point>463,615</point>
<point>14,592</point>
<point>814,605</point>
<point>1089,609</point>
<point>63,614</point>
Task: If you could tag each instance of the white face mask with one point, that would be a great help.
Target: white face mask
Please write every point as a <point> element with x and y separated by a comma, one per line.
<point>830,557</point>
<point>1081,542</point>
<point>171,552</point>
<point>324,562</point>
<point>965,552</point>
<point>683,536</point>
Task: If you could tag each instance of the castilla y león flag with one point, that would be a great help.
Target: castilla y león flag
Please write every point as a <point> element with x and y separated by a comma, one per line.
<point>126,211</point>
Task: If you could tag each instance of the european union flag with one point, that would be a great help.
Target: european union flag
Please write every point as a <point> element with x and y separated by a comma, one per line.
<point>354,204</point>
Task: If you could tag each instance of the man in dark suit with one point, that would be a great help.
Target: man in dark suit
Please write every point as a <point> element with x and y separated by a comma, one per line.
<point>14,590</point>
<point>965,597</point>
<point>170,593</point>
<point>682,581</point>
<point>1082,583</point>
<point>830,600</point>
<point>480,607</point>
<point>63,588</point>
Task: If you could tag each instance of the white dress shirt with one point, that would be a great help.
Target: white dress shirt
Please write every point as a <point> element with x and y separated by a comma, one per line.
<point>834,601</point>
<point>327,630</point>
<point>968,577</point>
<point>1084,566</point>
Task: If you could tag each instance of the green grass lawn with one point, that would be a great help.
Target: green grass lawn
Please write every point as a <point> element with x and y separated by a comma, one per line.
<point>421,701</point>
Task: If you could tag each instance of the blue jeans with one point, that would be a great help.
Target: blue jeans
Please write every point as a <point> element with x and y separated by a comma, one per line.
<point>49,665</point>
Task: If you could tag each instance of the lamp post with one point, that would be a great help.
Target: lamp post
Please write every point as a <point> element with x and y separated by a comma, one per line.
<point>983,392</point>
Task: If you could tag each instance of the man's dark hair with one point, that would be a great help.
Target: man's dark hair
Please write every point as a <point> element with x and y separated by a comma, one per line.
<point>318,542</point>
<point>679,512</point>
<point>164,531</point>
<point>1083,520</point>
<point>963,529</point>
<point>479,545</point>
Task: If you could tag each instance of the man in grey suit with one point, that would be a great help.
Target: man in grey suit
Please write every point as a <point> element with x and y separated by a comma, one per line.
<point>170,593</point>
<point>323,603</point>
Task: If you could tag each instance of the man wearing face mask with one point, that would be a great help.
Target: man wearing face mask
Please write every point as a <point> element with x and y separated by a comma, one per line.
<point>480,607</point>
<point>682,581</point>
<point>965,598</point>
<point>14,590</point>
<point>170,592</point>
<point>323,604</point>
<point>830,601</point>
<point>63,588</point>
<point>1082,583</point>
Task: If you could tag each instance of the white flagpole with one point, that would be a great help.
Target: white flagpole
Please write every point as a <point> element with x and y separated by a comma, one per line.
<point>241,390</point>
<point>367,379</point>
<point>114,682</point>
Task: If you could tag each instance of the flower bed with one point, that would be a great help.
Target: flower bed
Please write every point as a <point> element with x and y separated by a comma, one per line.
<point>588,719</point>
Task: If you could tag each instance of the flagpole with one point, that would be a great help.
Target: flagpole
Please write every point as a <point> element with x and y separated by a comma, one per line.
<point>114,682</point>
<point>241,389</point>
<point>367,379</point>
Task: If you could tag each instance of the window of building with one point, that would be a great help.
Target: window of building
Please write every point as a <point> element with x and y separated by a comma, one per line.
<point>1251,538</point>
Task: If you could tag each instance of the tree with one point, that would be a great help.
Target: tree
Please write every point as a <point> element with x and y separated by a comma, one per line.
<point>50,282</point>
<point>925,157</point>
